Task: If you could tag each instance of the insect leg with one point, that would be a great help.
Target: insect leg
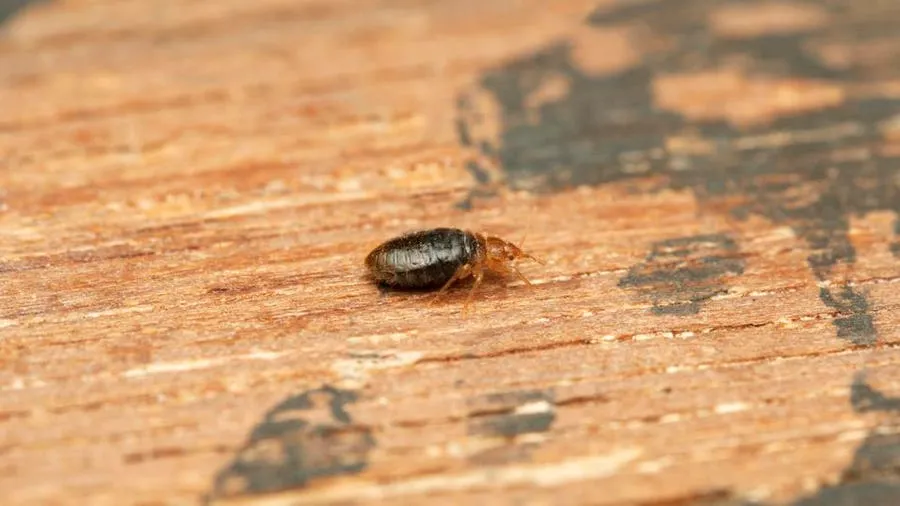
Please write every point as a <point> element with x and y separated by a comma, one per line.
<point>478,276</point>
<point>520,275</point>
<point>461,272</point>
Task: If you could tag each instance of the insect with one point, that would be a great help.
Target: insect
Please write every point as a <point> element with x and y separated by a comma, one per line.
<point>442,256</point>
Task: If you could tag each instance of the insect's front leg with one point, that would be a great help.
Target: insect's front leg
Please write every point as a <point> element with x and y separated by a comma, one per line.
<point>461,273</point>
<point>479,275</point>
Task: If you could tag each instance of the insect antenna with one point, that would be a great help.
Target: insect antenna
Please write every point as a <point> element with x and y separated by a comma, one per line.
<point>522,243</point>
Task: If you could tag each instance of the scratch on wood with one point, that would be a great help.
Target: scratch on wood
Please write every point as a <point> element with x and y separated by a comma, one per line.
<point>194,365</point>
<point>546,475</point>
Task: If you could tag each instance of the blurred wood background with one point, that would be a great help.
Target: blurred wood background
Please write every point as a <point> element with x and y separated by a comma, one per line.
<point>188,190</point>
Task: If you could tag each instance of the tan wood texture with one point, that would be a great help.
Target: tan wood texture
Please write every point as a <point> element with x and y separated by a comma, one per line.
<point>188,190</point>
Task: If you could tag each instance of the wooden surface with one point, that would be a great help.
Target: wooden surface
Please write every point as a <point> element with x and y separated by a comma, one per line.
<point>188,190</point>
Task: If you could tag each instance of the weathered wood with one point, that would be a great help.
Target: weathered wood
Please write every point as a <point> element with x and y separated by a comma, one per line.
<point>189,190</point>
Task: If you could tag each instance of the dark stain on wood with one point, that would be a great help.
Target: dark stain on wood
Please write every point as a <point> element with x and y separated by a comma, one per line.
<point>835,167</point>
<point>606,129</point>
<point>855,323</point>
<point>865,399</point>
<point>9,8</point>
<point>873,477</point>
<point>506,415</point>
<point>307,436</point>
<point>681,274</point>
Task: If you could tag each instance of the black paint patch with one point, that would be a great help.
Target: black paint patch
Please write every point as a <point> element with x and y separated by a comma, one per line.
<point>878,458</point>
<point>511,424</point>
<point>507,415</point>
<point>873,478</point>
<point>855,323</point>
<point>606,128</point>
<point>582,139</point>
<point>510,414</point>
<point>9,8</point>
<point>865,399</point>
<point>861,494</point>
<point>306,437</point>
<point>679,275</point>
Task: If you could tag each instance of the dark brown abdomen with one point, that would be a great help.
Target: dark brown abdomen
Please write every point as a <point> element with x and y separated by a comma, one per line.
<point>422,259</point>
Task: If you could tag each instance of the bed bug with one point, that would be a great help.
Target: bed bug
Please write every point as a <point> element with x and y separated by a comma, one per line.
<point>440,257</point>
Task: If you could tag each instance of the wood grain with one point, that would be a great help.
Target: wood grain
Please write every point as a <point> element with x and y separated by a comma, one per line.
<point>188,190</point>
